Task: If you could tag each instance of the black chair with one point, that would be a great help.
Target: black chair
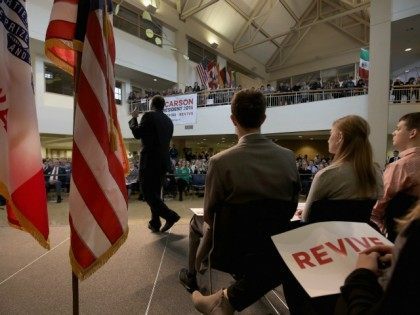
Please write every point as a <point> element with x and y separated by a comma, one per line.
<point>357,210</point>
<point>243,231</point>
<point>397,207</point>
<point>198,182</point>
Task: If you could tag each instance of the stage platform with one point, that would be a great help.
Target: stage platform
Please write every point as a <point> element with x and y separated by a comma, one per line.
<point>141,278</point>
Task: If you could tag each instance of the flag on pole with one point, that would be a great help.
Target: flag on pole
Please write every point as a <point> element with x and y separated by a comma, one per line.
<point>21,173</point>
<point>202,72</point>
<point>364,64</point>
<point>80,32</point>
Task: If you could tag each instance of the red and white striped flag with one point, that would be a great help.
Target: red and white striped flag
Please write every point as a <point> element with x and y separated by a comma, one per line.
<point>98,196</point>
<point>202,73</point>
<point>21,175</point>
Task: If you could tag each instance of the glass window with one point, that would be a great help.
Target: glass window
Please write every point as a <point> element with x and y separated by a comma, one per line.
<point>134,22</point>
<point>57,80</point>
<point>198,53</point>
<point>118,92</point>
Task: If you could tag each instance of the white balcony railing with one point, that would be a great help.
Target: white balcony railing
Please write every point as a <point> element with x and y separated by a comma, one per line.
<point>224,96</point>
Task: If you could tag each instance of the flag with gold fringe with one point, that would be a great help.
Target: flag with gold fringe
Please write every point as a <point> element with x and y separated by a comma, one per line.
<point>21,175</point>
<point>80,40</point>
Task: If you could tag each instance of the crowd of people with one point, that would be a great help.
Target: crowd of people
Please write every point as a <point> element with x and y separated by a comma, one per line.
<point>408,90</point>
<point>235,176</point>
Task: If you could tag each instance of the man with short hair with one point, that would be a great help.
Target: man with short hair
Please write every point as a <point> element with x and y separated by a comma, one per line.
<point>404,174</point>
<point>155,130</point>
<point>248,171</point>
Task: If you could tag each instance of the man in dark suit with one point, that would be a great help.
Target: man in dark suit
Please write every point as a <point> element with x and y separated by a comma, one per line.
<point>55,175</point>
<point>155,131</point>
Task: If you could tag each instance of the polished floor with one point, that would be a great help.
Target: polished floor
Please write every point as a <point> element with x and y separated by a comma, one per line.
<point>141,278</point>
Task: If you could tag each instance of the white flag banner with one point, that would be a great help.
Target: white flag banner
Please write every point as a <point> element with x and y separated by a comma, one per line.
<point>181,109</point>
<point>321,255</point>
<point>21,174</point>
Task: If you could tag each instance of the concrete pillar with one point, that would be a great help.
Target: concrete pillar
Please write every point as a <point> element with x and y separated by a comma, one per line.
<point>379,65</point>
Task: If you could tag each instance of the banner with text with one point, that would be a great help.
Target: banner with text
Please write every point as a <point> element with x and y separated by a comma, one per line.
<point>321,255</point>
<point>182,109</point>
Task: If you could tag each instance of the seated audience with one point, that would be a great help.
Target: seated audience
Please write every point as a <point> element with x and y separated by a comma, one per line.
<point>132,179</point>
<point>352,175</point>
<point>402,175</point>
<point>371,290</point>
<point>183,177</point>
<point>245,172</point>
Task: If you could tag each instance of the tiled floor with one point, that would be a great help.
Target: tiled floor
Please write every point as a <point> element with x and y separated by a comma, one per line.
<point>141,278</point>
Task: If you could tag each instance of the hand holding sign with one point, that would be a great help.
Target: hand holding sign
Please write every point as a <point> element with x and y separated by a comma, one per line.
<point>321,255</point>
<point>375,258</point>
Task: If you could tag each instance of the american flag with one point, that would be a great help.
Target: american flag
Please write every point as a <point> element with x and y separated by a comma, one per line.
<point>202,72</point>
<point>21,175</point>
<point>80,32</point>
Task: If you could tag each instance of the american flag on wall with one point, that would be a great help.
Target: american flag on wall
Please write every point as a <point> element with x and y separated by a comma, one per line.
<point>21,175</point>
<point>80,32</point>
<point>202,72</point>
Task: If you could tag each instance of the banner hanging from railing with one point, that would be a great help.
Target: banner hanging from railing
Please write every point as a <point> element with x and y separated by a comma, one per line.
<point>322,255</point>
<point>181,109</point>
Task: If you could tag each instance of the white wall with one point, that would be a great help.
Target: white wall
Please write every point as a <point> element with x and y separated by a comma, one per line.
<point>404,8</point>
<point>293,118</point>
<point>131,52</point>
<point>396,111</point>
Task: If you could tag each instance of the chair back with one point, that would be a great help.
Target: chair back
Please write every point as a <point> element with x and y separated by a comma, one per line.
<point>198,180</point>
<point>357,210</point>
<point>397,207</point>
<point>243,230</point>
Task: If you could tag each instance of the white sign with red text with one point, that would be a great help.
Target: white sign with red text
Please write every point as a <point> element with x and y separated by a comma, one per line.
<point>321,255</point>
<point>181,109</point>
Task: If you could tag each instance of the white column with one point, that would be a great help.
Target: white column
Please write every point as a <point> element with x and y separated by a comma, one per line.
<point>379,63</point>
<point>181,43</point>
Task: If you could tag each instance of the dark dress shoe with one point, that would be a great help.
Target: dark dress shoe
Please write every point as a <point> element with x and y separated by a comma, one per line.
<point>169,223</point>
<point>189,281</point>
<point>152,228</point>
<point>59,199</point>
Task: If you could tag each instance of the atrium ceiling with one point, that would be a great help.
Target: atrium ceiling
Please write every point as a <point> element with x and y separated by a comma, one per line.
<point>271,31</point>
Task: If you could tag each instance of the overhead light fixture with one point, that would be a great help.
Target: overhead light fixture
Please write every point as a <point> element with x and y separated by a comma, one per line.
<point>408,49</point>
<point>149,33</point>
<point>151,9</point>
<point>146,16</point>
<point>214,45</point>
<point>117,7</point>
<point>155,79</point>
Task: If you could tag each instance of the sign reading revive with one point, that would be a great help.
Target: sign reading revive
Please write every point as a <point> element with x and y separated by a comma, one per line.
<point>322,255</point>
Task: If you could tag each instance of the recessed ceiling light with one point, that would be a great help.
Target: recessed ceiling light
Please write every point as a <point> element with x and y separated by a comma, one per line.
<point>155,79</point>
<point>408,49</point>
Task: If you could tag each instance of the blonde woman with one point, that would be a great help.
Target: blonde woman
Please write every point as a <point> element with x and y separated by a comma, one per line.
<point>398,292</point>
<point>352,174</point>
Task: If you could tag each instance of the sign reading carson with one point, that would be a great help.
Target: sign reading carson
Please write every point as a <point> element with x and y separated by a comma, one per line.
<point>182,109</point>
